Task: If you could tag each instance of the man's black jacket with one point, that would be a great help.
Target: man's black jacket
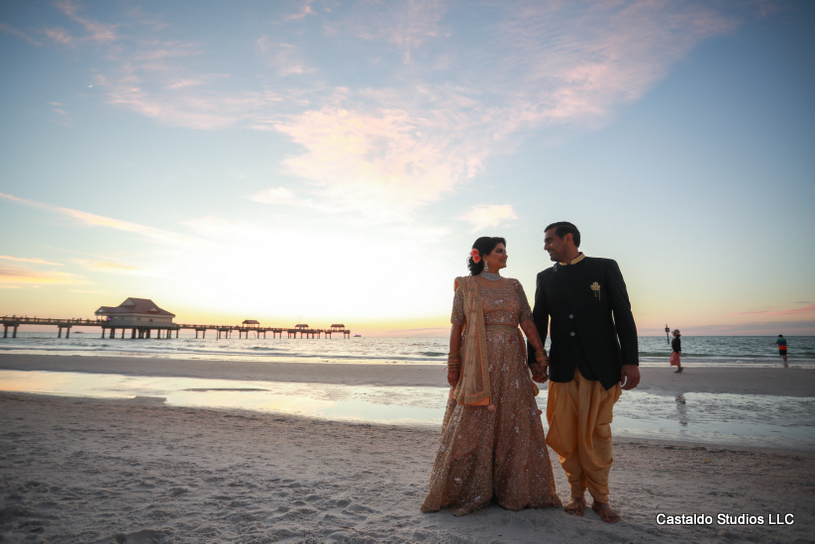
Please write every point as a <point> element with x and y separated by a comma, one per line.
<point>592,327</point>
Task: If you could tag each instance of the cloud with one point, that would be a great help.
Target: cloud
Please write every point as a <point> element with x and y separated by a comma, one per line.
<point>304,12</point>
<point>156,23</point>
<point>379,162</point>
<point>484,217</point>
<point>404,135</point>
<point>283,57</point>
<point>93,220</point>
<point>60,35</point>
<point>174,103</point>
<point>576,65</point>
<point>97,32</point>
<point>406,25</point>
<point>26,260</point>
<point>181,84</point>
<point>20,34</point>
<point>809,308</point>
<point>397,149</point>
<point>769,328</point>
<point>23,276</point>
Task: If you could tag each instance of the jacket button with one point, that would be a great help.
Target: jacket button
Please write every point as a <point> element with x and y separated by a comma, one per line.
<point>571,334</point>
<point>571,316</point>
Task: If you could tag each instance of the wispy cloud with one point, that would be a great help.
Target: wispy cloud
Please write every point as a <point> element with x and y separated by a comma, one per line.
<point>406,25</point>
<point>484,217</point>
<point>283,57</point>
<point>19,33</point>
<point>60,35</point>
<point>769,328</point>
<point>575,64</point>
<point>27,260</point>
<point>183,83</point>
<point>95,31</point>
<point>809,308</point>
<point>24,276</point>
<point>93,220</point>
<point>304,12</point>
<point>182,102</point>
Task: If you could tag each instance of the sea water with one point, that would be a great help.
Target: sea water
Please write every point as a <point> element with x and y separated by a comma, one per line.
<point>653,350</point>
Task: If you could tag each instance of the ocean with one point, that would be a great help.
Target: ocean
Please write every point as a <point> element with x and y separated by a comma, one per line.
<point>741,420</point>
<point>654,350</point>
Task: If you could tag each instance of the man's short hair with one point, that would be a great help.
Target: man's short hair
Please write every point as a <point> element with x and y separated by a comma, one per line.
<point>562,228</point>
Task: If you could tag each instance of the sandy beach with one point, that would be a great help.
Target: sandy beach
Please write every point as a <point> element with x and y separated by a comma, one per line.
<point>137,471</point>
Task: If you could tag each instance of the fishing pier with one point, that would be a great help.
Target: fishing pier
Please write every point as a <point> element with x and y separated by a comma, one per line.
<point>165,330</point>
<point>144,319</point>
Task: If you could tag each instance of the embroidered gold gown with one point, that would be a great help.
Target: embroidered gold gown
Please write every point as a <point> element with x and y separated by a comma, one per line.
<point>500,454</point>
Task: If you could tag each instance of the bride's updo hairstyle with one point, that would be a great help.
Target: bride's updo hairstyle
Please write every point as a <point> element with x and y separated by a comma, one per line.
<point>484,245</point>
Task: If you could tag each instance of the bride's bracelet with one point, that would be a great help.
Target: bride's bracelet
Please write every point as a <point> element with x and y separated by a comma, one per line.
<point>541,357</point>
<point>453,362</point>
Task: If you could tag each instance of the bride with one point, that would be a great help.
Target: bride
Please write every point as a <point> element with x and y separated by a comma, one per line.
<point>492,443</point>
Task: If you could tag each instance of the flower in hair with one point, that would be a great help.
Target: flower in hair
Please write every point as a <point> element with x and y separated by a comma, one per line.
<point>475,255</point>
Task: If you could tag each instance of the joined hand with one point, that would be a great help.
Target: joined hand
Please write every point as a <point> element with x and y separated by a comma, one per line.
<point>539,373</point>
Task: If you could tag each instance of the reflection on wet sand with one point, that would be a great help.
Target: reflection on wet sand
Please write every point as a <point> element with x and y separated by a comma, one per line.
<point>381,404</point>
<point>754,420</point>
<point>681,410</point>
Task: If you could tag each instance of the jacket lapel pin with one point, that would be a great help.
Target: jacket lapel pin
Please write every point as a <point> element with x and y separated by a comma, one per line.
<point>596,288</point>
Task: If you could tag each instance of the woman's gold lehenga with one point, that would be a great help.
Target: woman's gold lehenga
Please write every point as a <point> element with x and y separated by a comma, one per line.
<point>502,453</point>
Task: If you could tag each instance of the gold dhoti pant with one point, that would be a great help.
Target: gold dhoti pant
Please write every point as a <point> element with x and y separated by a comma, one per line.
<point>579,413</point>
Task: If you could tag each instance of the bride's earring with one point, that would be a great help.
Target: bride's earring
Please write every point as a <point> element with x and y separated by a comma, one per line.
<point>486,266</point>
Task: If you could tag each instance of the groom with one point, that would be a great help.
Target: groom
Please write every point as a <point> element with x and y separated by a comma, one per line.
<point>593,356</point>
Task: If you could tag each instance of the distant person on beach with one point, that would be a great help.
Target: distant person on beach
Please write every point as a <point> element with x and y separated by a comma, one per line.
<point>676,351</point>
<point>492,441</point>
<point>594,354</point>
<point>782,348</point>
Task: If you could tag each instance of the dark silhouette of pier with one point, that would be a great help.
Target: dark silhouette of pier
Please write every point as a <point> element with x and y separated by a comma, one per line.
<point>165,330</point>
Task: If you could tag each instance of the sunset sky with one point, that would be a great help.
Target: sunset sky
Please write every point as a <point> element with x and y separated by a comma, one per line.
<point>333,162</point>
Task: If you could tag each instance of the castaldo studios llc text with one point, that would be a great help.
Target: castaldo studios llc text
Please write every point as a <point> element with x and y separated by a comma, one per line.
<point>725,519</point>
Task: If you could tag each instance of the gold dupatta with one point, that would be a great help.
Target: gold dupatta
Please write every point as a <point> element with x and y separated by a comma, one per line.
<point>474,385</point>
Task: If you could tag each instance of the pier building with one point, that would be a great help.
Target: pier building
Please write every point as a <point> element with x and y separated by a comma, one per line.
<point>140,315</point>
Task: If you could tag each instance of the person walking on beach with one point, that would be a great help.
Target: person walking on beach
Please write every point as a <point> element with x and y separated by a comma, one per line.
<point>676,351</point>
<point>594,354</point>
<point>492,443</point>
<point>782,348</point>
